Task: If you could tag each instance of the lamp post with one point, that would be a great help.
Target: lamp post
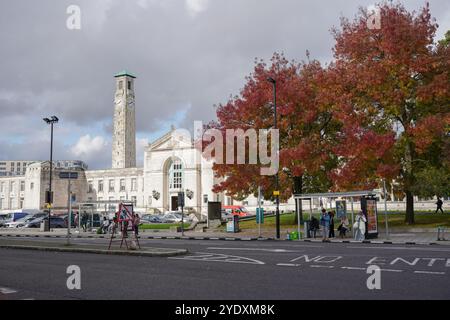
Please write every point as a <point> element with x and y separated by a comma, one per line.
<point>277,192</point>
<point>49,196</point>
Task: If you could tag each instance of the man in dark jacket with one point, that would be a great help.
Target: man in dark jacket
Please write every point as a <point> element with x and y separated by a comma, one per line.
<point>439,204</point>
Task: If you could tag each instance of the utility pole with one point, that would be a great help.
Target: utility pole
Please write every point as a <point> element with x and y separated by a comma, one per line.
<point>49,195</point>
<point>276,192</point>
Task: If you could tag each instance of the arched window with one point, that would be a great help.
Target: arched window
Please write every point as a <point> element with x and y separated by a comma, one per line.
<point>176,174</point>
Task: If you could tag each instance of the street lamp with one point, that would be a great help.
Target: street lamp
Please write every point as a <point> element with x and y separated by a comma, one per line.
<point>49,196</point>
<point>277,192</point>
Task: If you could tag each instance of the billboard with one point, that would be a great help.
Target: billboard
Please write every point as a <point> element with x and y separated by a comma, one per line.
<point>371,213</point>
<point>341,209</point>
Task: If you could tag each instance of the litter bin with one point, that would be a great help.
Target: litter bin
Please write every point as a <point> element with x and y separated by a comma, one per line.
<point>44,226</point>
<point>233,224</point>
<point>306,225</point>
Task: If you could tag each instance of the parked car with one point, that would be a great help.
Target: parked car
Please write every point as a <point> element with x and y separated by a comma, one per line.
<point>2,221</point>
<point>150,218</point>
<point>13,217</point>
<point>22,222</point>
<point>235,211</point>
<point>55,222</point>
<point>19,222</point>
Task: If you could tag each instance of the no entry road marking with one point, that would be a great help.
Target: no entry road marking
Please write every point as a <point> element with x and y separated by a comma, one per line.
<point>214,257</point>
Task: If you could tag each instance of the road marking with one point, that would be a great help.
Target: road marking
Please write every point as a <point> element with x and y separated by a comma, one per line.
<point>288,265</point>
<point>353,268</point>
<point>391,270</point>
<point>317,266</point>
<point>429,272</point>
<point>7,290</point>
<point>401,248</point>
<point>251,249</point>
<point>215,257</point>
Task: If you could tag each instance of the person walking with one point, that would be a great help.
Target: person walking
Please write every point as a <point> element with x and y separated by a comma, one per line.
<point>105,225</point>
<point>325,223</point>
<point>439,204</point>
<point>84,220</point>
<point>331,232</point>
<point>360,226</point>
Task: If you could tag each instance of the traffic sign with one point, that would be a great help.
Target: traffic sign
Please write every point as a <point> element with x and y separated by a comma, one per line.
<point>276,193</point>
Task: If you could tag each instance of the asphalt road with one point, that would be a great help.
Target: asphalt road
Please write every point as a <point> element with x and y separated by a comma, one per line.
<point>232,270</point>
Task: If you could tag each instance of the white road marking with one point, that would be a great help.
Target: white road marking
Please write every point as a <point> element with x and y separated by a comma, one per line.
<point>251,249</point>
<point>215,257</point>
<point>7,290</point>
<point>391,270</point>
<point>429,272</point>
<point>288,265</point>
<point>402,248</point>
<point>353,268</point>
<point>317,266</point>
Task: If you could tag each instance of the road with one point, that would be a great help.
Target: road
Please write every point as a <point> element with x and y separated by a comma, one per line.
<point>229,270</point>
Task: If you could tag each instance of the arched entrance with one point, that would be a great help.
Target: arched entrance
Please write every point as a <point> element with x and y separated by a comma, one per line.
<point>173,183</point>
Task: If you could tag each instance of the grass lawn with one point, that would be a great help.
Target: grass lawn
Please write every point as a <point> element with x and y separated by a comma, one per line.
<point>161,226</point>
<point>395,220</point>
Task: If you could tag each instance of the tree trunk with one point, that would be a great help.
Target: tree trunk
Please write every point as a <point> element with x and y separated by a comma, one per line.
<point>298,189</point>
<point>409,217</point>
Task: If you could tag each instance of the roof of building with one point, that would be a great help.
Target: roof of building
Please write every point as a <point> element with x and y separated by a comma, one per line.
<point>124,73</point>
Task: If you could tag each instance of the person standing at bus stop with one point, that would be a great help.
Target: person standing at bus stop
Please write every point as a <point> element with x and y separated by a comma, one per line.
<point>325,223</point>
<point>360,226</point>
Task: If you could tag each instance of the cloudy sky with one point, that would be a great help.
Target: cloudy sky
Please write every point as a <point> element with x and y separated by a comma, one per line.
<point>188,56</point>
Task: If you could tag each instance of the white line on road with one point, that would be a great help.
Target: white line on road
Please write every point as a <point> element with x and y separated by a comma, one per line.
<point>251,249</point>
<point>207,257</point>
<point>7,290</point>
<point>391,270</point>
<point>402,248</point>
<point>429,272</point>
<point>317,266</point>
<point>288,265</point>
<point>353,268</point>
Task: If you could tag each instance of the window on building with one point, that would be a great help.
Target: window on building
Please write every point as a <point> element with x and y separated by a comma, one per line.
<point>21,203</point>
<point>13,187</point>
<point>205,198</point>
<point>122,184</point>
<point>111,185</point>
<point>31,185</point>
<point>22,186</point>
<point>120,85</point>
<point>134,199</point>
<point>129,85</point>
<point>133,184</point>
<point>1,203</point>
<point>2,187</point>
<point>90,187</point>
<point>100,186</point>
<point>176,175</point>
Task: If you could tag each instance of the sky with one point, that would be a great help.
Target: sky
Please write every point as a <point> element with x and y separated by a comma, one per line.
<point>188,56</point>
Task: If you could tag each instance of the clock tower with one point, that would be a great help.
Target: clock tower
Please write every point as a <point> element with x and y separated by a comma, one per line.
<point>124,131</point>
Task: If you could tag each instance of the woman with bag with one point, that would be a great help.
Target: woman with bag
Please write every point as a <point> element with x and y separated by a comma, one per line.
<point>360,226</point>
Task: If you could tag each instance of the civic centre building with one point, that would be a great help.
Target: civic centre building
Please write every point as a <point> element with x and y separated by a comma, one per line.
<point>170,166</point>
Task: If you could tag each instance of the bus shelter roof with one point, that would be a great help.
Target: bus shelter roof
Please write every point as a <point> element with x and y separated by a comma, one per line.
<point>349,194</point>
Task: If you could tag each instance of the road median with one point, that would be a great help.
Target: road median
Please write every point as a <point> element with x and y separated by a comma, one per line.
<point>94,249</point>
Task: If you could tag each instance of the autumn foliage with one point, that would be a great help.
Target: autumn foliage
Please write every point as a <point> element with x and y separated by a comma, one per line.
<point>380,110</point>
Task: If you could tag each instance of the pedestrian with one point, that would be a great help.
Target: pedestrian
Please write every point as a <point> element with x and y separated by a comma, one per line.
<point>343,227</point>
<point>105,225</point>
<point>439,204</point>
<point>84,220</point>
<point>313,227</point>
<point>360,226</point>
<point>136,223</point>
<point>75,219</point>
<point>331,233</point>
<point>325,223</point>
<point>113,226</point>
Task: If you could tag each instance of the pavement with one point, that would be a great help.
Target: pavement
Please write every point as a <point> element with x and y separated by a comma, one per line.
<point>402,236</point>
<point>230,270</point>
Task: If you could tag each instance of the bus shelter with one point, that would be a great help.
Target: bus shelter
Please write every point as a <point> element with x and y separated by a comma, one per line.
<point>341,199</point>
